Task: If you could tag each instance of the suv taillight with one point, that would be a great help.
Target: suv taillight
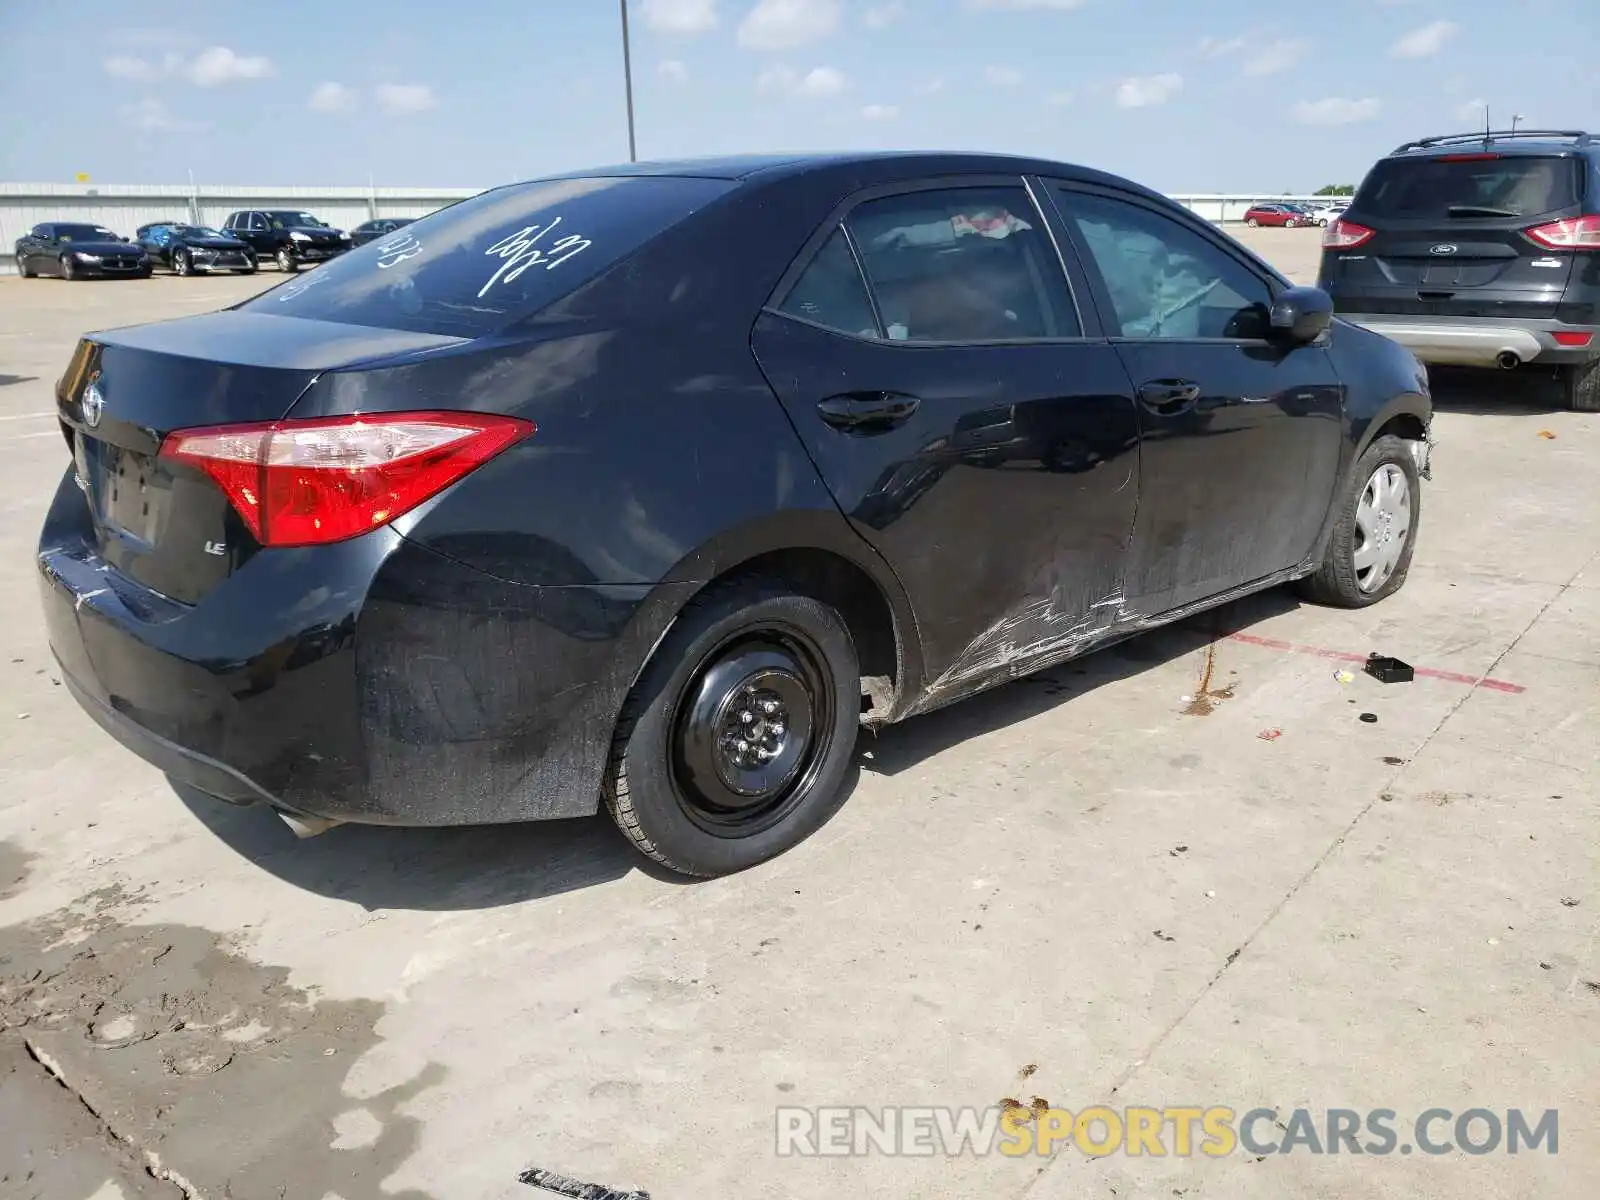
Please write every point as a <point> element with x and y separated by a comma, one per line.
<point>1574,233</point>
<point>305,483</point>
<point>1344,235</point>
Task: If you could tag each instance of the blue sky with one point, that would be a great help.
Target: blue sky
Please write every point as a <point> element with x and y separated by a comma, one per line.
<point>1185,95</point>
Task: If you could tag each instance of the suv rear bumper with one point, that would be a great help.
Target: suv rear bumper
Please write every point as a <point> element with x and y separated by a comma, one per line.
<point>1480,341</point>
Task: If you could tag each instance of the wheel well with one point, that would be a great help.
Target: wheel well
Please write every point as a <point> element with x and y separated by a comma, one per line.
<point>1402,425</point>
<point>856,596</point>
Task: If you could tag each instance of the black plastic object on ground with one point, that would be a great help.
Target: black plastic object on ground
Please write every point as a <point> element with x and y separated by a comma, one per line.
<point>1389,670</point>
<point>1370,718</point>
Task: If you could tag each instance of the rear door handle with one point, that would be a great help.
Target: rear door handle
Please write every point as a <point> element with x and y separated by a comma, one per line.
<point>867,412</point>
<point>1169,397</point>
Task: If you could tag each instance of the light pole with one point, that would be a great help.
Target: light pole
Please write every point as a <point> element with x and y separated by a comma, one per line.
<point>627,75</point>
<point>1515,117</point>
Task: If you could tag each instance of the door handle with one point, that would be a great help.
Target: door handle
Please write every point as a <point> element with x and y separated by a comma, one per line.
<point>1169,397</point>
<point>867,412</point>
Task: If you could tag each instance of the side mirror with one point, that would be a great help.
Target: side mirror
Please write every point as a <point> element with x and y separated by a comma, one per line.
<point>1301,314</point>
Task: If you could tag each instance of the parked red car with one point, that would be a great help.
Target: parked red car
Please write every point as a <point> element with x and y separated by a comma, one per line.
<point>1286,215</point>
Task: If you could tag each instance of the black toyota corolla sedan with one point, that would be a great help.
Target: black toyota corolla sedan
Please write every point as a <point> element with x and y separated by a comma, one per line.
<point>649,486</point>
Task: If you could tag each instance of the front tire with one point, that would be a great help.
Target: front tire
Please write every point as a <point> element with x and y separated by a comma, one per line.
<point>23,269</point>
<point>734,744</point>
<point>69,270</point>
<point>181,264</point>
<point>1580,385</point>
<point>287,263</point>
<point>1369,554</point>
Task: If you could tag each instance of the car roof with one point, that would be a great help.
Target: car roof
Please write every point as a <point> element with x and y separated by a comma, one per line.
<point>1540,142</point>
<point>868,166</point>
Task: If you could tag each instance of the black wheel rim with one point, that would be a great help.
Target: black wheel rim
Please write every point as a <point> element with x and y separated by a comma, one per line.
<point>751,731</point>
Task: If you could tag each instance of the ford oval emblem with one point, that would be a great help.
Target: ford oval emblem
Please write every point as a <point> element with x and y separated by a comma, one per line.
<point>93,404</point>
<point>1444,248</point>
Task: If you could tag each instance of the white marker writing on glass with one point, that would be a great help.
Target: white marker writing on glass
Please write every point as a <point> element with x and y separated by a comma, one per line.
<point>521,251</point>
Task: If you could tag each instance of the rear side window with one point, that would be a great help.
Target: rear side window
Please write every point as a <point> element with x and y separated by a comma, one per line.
<point>468,269</point>
<point>963,265</point>
<point>1468,185</point>
<point>830,292</point>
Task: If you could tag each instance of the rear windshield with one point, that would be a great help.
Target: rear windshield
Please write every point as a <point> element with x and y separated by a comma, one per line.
<point>468,269</point>
<point>1470,186</point>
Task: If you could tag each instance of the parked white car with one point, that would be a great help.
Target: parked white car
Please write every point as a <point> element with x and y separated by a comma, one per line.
<point>1326,214</point>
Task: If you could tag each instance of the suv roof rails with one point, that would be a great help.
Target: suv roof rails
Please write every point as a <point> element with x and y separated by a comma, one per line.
<point>1578,137</point>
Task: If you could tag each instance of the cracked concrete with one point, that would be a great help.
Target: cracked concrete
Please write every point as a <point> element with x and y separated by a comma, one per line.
<point>1349,914</point>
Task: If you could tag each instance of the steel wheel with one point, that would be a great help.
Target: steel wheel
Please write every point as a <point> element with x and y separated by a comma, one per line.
<point>751,728</point>
<point>1383,522</point>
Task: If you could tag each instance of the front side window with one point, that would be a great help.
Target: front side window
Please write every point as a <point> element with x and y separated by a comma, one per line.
<point>471,268</point>
<point>831,292</point>
<point>963,265</point>
<point>1165,280</point>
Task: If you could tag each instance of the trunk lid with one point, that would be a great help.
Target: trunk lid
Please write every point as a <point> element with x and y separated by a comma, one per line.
<point>166,526</point>
<point>1449,236</point>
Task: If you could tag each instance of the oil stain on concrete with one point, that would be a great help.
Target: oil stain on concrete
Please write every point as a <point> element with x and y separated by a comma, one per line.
<point>213,1071</point>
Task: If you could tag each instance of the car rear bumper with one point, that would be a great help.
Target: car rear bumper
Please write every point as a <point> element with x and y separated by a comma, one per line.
<point>372,681</point>
<point>1481,341</point>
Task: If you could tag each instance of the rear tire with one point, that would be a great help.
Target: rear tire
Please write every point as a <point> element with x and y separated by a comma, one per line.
<point>1252,222</point>
<point>734,744</point>
<point>1580,385</point>
<point>1369,530</point>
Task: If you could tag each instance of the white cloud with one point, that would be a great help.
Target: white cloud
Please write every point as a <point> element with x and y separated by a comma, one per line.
<point>1147,90</point>
<point>785,24</point>
<point>1003,76</point>
<point>1335,110</point>
<point>399,99</point>
<point>152,116</point>
<point>217,65</point>
<point>1211,46</point>
<point>816,84</point>
<point>331,97</point>
<point>1025,5</point>
<point>1277,56</point>
<point>1430,39</point>
<point>680,16</point>
<point>883,15</point>
<point>880,112</point>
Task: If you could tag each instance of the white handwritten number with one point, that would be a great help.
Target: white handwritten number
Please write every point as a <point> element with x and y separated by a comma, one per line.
<point>521,251</point>
<point>396,250</point>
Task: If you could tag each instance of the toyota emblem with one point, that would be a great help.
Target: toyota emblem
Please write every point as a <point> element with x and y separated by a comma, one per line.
<point>1445,248</point>
<point>93,404</point>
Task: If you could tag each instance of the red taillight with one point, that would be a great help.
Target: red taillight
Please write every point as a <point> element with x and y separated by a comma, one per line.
<point>1344,235</point>
<point>303,483</point>
<point>1574,233</point>
<point>1465,157</point>
<point>1571,337</point>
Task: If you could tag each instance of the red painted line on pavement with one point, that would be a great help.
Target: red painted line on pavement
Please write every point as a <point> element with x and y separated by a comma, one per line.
<point>1493,685</point>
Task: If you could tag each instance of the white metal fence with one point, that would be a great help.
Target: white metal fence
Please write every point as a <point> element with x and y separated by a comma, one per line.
<point>125,207</point>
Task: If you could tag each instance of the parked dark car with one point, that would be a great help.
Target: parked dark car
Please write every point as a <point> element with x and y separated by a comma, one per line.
<point>74,250</point>
<point>288,237</point>
<point>1480,250</point>
<point>369,231</point>
<point>194,249</point>
<point>1286,215</point>
<point>649,486</point>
